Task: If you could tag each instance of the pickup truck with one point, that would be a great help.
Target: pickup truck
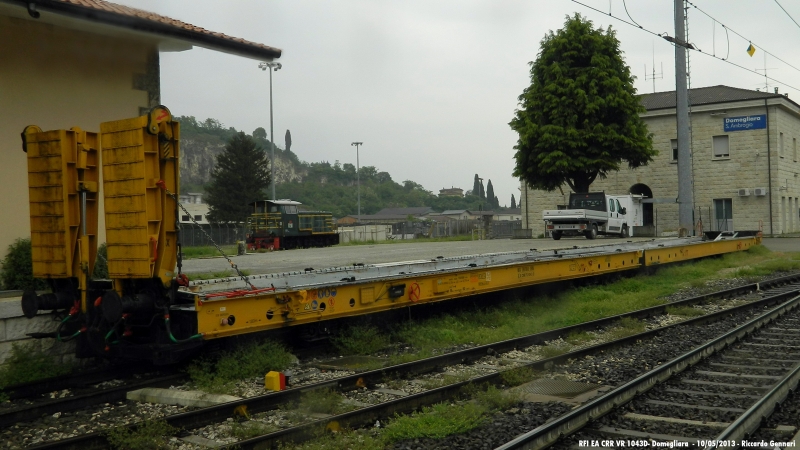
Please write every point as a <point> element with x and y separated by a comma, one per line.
<point>594,213</point>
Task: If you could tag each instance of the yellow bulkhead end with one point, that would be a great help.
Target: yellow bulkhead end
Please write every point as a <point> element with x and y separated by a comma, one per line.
<point>140,164</point>
<point>63,177</point>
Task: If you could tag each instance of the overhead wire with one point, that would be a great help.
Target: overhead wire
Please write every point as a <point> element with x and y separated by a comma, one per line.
<point>741,36</point>
<point>697,49</point>
<point>787,13</point>
<point>629,14</point>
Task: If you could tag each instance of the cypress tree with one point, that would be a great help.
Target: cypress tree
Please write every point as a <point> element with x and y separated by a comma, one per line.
<point>513,202</point>
<point>476,186</point>
<point>490,195</point>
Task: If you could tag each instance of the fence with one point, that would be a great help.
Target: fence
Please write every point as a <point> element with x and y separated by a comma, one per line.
<point>365,233</point>
<point>504,229</point>
<point>223,234</point>
<point>498,229</point>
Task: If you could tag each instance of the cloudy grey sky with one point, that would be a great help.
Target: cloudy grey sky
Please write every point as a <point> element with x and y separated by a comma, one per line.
<point>430,86</point>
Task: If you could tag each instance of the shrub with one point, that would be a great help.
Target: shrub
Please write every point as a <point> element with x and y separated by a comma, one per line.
<point>360,340</point>
<point>27,363</point>
<point>147,436</point>
<point>17,269</point>
<point>247,361</point>
<point>100,271</point>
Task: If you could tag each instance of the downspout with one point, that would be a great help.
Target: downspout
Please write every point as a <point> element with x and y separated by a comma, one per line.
<point>769,171</point>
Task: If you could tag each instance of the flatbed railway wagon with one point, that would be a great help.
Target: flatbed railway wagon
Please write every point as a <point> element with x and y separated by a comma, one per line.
<point>149,310</point>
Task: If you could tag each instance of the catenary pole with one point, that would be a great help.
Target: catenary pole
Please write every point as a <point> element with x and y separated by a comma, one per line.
<point>685,188</point>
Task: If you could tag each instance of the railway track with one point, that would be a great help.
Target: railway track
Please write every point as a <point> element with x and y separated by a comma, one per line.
<point>715,395</point>
<point>403,402</point>
<point>76,395</point>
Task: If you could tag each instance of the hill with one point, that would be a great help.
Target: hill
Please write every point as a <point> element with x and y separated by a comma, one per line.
<point>318,185</point>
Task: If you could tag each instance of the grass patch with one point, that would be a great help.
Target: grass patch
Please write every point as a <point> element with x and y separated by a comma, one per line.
<point>346,440</point>
<point>206,251</point>
<point>518,376</point>
<point>218,274</point>
<point>360,340</point>
<point>684,311</point>
<point>28,363</point>
<point>626,326</point>
<point>436,421</point>
<point>433,383</point>
<point>252,360</point>
<point>579,337</point>
<point>553,350</point>
<point>250,429</point>
<point>323,401</point>
<point>494,399</point>
<point>148,435</point>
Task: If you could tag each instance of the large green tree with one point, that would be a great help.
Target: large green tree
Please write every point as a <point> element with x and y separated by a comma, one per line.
<point>579,118</point>
<point>240,177</point>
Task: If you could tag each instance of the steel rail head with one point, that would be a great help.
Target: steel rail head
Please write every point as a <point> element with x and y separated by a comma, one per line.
<point>548,433</point>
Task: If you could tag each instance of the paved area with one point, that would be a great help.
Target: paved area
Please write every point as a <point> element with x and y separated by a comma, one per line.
<point>787,244</point>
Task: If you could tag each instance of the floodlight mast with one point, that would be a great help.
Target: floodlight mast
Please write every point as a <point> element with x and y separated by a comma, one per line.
<point>275,66</point>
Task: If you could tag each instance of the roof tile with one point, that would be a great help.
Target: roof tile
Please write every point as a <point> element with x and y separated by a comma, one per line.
<point>704,96</point>
<point>128,12</point>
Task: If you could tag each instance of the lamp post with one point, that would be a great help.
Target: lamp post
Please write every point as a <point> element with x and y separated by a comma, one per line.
<point>358,180</point>
<point>274,66</point>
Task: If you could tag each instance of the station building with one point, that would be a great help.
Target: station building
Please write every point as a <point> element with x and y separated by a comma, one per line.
<point>744,165</point>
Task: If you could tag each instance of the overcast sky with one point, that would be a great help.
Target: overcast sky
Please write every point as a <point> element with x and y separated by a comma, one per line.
<point>429,86</point>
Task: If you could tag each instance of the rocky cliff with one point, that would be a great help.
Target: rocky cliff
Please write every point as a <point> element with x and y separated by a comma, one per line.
<point>199,155</point>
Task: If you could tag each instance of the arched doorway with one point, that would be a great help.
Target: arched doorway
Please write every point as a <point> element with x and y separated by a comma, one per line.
<point>647,208</point>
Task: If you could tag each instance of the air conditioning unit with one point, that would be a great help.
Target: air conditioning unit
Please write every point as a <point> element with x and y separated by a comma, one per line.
<point>760,192</point>
<point>744,192</point>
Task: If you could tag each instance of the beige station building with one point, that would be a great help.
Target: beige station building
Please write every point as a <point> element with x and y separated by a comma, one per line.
<point>744,165</point>
<point>68,63</point>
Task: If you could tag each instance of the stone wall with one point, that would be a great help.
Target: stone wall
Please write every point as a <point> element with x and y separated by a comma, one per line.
<point>14,329</point>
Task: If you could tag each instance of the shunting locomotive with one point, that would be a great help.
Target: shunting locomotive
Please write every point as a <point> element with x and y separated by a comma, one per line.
<point>280,224</point>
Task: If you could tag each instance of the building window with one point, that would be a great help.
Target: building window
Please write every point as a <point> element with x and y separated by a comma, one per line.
<point>723,214</point>
<point>720,145</point>
<point>781,151</point>
<point>198,217</point>
<point>185,218</point>
<point>794,149</point>
<point>674,143</point>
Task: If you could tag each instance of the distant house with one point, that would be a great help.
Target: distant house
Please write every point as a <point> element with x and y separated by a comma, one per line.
<point>387,216</point>
<point>459,214</point>
<point>197,213</point>
<point>452,192</point>
<point>416,211</point>
<point>508,214</point>
<point>373,219</point>
<point>191,197</point>
<point>346,220</point>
